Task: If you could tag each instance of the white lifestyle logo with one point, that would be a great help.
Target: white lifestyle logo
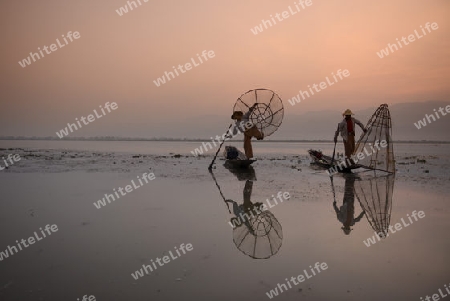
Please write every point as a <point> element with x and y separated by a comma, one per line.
<point>436,297</point>
<point>243,216</point>
<point>322,85</point>
<point>90,118</point>
<point>31,240</point>
<point>16,158</point>
<point>280,17</point>
<point>86,298</point>
<point>146,177</point>
<point>27,61</point>
<point>123,10</point>
<point>274,292</point>
<point>356,157</point>
<point>188,66</point>
<point>206,146</point>
<point>411,38</point>
<point>166,259</point>
<point>423,123</point>
<point>372,240</point>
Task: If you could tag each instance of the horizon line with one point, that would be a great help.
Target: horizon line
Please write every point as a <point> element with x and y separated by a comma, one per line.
<point>167,139</point>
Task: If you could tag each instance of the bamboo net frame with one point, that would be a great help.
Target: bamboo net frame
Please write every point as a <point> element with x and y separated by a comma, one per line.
<point>377,157</point>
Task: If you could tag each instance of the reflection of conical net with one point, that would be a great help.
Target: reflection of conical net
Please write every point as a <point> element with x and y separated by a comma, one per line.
<point>375,197</point>
<point>268,112</point>
<point>260,237</point>
<point>376,146</point>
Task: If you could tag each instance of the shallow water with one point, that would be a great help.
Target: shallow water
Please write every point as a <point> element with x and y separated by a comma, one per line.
<point>95,250</point>
<point>185,148</point>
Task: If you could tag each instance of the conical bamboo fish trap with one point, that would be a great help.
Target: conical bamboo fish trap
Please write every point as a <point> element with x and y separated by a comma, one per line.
<point>375,147</point>
<point>268,111</point>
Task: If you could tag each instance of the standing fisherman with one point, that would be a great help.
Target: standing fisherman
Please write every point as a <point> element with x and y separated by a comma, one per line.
<point>347,129</point>
<point>242,125</point>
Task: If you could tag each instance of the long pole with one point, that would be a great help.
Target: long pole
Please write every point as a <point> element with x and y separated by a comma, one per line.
<point>220,146</point>
<point>334,150</point>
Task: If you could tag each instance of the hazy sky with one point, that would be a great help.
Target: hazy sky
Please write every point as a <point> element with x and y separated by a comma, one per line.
<point>117,58</point>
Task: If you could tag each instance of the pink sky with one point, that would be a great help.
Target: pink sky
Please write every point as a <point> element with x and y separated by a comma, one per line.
<point>118,57</point>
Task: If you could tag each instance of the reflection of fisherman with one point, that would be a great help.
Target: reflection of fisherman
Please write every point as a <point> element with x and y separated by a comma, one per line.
<point>345,214</point>
<point>262,235</point>
<point>247,210</point>
<point>243,124</point>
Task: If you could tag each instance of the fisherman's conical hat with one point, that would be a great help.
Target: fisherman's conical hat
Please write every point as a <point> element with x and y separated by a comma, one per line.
<point>347,112</point>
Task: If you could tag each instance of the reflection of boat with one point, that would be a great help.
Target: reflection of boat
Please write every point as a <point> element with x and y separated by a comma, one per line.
<point>236,158</point>
<point>242,174</point>
<point>256,232</point>
<point>375,197</point>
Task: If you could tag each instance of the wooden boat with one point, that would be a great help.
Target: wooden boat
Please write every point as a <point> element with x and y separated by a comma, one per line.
<point>318,158</point>
<point>236,158</point>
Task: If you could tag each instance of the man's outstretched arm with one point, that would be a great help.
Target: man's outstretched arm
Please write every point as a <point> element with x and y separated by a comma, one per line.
<point>360,125</point>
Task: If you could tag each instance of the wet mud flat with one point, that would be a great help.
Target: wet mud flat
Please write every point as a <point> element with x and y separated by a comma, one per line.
<point>95,251</point>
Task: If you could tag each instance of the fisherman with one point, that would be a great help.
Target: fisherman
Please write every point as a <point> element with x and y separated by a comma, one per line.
<point>243,124</point>
<point>347,129</point>
<point>346,213</point>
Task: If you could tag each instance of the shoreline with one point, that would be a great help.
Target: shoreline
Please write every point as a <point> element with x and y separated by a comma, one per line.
<point>425,171</point>
<point>119,139</point>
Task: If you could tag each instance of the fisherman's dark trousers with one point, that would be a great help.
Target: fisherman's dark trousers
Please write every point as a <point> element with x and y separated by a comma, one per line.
<point>349,145</point>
